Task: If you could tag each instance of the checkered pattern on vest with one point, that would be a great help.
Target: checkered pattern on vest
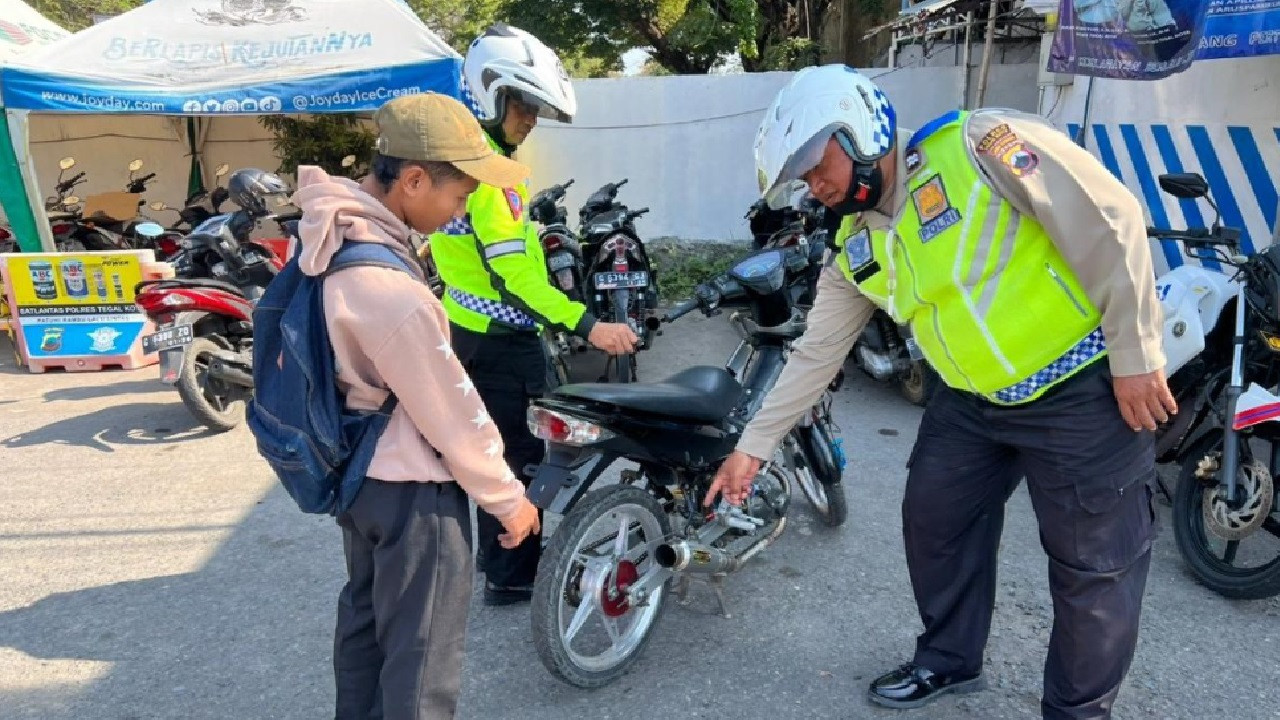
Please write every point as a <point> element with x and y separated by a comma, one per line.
<point>1082,352</point>
<point>493,309</point>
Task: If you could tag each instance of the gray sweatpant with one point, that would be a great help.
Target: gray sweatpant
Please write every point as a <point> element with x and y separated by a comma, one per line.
<point>402,616</point>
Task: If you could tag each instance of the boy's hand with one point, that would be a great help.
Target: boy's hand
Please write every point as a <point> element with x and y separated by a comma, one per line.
<point>520,526</point>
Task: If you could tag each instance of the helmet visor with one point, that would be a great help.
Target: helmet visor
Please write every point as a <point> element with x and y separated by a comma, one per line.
<point>790,180</point>
<point>530,104</point>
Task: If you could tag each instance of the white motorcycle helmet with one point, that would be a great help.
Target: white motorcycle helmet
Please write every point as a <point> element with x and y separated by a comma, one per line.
<point>508,62</point>
<point>817,103</point>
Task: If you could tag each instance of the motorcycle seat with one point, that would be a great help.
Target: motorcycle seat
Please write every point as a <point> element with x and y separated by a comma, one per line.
<point>192,282</point>
<point>702,394</point>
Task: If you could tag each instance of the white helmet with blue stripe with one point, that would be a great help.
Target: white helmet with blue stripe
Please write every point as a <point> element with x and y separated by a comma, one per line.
<point>816,104</point>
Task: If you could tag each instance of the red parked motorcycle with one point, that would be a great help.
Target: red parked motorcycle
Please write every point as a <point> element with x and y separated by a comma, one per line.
<point>204,317</point>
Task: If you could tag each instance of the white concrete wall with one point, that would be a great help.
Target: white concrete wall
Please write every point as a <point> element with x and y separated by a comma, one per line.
<point>1220,118</point>
<point>685,141</point>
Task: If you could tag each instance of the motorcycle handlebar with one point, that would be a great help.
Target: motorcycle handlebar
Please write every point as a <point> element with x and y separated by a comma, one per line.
<point>681,310</point>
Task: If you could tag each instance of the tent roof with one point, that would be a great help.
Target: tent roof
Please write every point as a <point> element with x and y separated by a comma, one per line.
<point>23,30</point>
<point>217,57</point>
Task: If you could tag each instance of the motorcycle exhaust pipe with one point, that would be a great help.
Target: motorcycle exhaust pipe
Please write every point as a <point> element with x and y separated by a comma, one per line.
<point>229,373</point>
<point>694,557</point>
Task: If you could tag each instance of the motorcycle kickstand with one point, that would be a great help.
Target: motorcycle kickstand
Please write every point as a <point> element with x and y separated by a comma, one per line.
<point>715,582</point>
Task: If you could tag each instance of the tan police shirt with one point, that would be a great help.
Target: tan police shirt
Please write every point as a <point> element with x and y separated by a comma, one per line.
<point>1093,219</point>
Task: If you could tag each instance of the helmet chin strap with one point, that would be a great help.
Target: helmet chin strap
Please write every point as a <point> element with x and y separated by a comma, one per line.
<point>866,184</point>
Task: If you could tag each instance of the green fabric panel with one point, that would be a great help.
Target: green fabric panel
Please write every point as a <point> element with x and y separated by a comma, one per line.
<point>13,194</point>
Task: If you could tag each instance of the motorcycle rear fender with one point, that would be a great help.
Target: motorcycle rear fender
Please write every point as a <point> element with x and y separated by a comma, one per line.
<point>171,361</point>
<point>564,476</point>
<point>1255,406</point>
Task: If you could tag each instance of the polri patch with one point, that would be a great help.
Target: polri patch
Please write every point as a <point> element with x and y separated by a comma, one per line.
<point>514,202</point>
<point>1004,145</point>
<point>933,208</point>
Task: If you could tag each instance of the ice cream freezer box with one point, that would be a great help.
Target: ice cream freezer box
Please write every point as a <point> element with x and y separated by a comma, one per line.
<point>76,311</point>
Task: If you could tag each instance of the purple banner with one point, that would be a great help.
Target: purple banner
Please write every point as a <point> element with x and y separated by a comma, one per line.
<point>1127,39</point>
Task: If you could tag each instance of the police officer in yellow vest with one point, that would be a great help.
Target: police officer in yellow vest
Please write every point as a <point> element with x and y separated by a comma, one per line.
<point>1024,271</point>
<point>497,293</point>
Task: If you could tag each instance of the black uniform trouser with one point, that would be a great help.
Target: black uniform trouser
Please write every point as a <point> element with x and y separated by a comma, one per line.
<point>508,371</point>
<point>1089,477</point>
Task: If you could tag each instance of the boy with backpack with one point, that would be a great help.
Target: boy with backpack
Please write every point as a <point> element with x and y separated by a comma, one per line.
<point>364,412</point>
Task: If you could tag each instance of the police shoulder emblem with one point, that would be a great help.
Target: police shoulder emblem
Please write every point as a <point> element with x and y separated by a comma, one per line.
<point>933,208</point>
<point>514,202</point>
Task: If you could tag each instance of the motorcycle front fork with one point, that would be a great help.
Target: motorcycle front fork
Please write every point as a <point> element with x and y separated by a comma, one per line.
<point>1230,438</point>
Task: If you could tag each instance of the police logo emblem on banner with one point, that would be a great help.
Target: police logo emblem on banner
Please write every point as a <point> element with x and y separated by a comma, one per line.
<point>858,249</point>
<point>934,208</point>
<point>514,202</point>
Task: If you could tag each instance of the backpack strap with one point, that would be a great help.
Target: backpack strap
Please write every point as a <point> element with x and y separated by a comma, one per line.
<point>367,254</point>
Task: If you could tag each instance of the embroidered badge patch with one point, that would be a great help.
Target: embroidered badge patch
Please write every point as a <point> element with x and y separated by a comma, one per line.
<point>858,248</point>
<point>1001,143</point>
<point>514,202</point>
<point>934,208</point>
<point>914,160</point>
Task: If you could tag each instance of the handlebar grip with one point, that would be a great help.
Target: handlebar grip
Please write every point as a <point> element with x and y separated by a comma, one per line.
<point>680,310</point>
<point>624,182</point>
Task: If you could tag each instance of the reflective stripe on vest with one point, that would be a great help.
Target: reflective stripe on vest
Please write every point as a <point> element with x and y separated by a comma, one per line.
<point>991,302</point>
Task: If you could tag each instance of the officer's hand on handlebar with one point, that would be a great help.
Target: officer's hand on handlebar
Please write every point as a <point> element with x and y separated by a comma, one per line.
<point>613,338</point>
<point>733,479</point>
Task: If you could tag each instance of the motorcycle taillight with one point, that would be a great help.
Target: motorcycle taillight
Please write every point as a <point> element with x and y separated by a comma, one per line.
<point>563,429</point>
<point>62,228</point>
<point>552,242</point>
<point>5,234</point>
<point>168,246</point>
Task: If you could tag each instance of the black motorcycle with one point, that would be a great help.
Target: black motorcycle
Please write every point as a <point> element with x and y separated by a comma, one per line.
<point>563,255</point>
<point>619,282</point>
<point>1224,438</point>
<point>885,350</point>
<point>603,580</point>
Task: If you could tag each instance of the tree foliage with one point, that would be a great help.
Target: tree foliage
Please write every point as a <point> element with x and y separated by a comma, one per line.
<point>76,15</point>
<point>320,140</point>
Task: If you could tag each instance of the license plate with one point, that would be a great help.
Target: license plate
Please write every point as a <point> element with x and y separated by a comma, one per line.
<point>616,280</point>
<point>560,261</point>
<point>170,337</point>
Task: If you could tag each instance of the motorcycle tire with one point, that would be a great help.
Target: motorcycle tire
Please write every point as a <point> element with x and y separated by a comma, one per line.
<point>919,384</point>
<point>209,400</point>
<point>1192,537</point>
<point>624,366</point>
<point>559,584</point>
<point>826,495</point>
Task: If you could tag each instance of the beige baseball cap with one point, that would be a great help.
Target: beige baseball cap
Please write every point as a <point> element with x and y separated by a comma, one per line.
<point>435,127</point>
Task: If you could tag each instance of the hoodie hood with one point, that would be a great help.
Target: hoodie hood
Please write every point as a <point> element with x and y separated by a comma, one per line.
<point>336,209</point>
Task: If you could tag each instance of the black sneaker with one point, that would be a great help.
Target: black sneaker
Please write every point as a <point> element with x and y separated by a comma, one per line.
<point>911,686</point>
<point>497,595</point>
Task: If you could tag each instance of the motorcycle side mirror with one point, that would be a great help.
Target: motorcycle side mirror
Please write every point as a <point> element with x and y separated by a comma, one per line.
<point>67,163</point>
<point>1187,186</point>
<point>221,170</point>
<point>348,161</point>
<point>135,166</point>
<point>158,206</point>
<point>70,200</point>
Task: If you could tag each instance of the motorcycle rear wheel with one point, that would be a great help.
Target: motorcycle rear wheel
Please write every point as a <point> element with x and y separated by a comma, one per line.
<point>579,583</point>
<point>1194,539</point>
<point>918,384</point>
<point>214,404</point>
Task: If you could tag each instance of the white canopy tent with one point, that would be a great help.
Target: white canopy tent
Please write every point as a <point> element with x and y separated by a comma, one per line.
<point>125,88</point>
<point>21,31</point>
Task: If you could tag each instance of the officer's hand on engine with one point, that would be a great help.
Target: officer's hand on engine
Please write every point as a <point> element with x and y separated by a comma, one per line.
<point>733,479</point>
<point>1144,400</point>
<point>613,338</point>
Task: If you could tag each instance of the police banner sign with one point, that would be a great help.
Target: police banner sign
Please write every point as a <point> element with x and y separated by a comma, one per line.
<point>1240,28</point>
<point>1151,39</point>
<point>1127,39</point>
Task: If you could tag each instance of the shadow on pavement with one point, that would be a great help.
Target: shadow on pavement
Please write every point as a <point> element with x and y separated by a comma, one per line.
<point>130,424</point>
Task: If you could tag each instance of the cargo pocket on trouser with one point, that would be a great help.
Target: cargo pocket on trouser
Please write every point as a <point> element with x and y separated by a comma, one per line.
<point>1114,521</point>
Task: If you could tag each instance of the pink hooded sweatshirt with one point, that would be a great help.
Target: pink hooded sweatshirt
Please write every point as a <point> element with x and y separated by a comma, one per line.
<point>390,332</point>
